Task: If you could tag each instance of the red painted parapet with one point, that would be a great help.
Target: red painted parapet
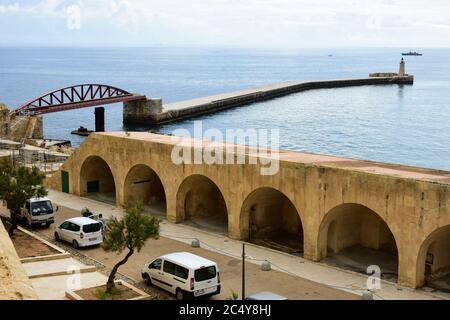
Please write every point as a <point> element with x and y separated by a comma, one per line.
<point>75,97</point>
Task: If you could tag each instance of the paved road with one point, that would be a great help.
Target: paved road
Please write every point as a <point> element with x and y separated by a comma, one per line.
<point>294,288</point>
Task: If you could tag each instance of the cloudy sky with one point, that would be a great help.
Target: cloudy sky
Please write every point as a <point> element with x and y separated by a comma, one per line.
<point>234,23</point>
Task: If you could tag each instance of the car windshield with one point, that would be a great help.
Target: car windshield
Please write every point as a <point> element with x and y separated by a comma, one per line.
<point>204,274</point>
<point>93,227</point>
<point>41,208</point>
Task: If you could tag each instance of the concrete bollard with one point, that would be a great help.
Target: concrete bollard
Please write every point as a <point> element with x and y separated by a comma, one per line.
<point>195,243</point>
<point>265,266</point>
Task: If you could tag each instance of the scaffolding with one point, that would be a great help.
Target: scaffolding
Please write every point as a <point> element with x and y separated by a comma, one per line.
<point>47,162</point>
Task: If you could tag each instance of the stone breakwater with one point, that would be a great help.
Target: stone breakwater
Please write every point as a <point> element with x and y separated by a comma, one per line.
<point>154,112</point>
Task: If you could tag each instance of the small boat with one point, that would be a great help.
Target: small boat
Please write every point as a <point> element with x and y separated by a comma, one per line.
<point>82,131</point>
<point>411,53</point>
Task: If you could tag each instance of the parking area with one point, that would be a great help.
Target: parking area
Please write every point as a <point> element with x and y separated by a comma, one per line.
<point>281,283</point>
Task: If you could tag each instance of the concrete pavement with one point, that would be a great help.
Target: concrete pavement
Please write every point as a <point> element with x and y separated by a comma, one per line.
<point>52,275</point>
<point>55,287</point>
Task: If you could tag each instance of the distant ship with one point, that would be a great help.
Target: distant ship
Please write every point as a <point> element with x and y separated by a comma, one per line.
<point>411,54</point>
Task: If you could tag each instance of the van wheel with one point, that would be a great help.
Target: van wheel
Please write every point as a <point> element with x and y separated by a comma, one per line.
<point>57,237</point>
<point>180,294</point>
<point>147,279</point>
<point>75,244</point>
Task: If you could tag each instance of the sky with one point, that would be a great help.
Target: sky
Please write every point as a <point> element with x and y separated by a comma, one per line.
<point>226,23</point>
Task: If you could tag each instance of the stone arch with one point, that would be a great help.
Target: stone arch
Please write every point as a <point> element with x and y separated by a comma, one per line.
<point>142,184</point>
<point>97,180</point>
<point>433,260</point>
<point>268,217</point>
<point>353,236</point>
<point>200,202</point>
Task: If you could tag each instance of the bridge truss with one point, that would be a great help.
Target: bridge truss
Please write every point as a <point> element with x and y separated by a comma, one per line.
<point>76,97</point>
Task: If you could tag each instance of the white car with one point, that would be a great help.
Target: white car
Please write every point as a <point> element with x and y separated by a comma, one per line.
<point>184,274</point>
<point>80,232</point>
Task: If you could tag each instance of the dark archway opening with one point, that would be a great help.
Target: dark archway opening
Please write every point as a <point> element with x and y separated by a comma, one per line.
<point>201,204</point>
<point>97,181</point>
<point>143,185</point>
<point>434,260</point>
<point>270,219</point>
<point>354,237</point>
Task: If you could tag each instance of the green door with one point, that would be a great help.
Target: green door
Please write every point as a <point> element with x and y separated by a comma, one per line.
<point>93,186</point>
<point>65,181</point>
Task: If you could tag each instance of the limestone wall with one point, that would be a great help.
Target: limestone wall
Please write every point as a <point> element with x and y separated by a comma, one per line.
<point>14,283</point>
<point>20,127</point>
<point>141,111</point>
<point>4,111</point>
<point>25,127</point>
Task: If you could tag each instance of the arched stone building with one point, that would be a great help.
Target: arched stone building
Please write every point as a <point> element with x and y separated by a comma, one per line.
<point>317,204</point>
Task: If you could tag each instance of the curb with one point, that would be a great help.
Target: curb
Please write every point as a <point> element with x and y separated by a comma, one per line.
<point>71,295</point>
<point>46,258</point>
<point>87,269</point>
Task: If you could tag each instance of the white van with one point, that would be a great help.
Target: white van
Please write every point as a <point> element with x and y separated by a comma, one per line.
<point>80,232</point>
<point>184,274</point>
<point>38,212</point>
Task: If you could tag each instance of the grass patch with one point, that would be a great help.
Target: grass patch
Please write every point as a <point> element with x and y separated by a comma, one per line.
<point>103,295</point>
<point>121,292</point>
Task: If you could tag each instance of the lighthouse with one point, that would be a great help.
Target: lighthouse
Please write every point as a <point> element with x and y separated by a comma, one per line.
<point>401,72</point>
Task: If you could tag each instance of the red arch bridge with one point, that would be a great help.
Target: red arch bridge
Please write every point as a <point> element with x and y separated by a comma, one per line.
<point>76,97</point>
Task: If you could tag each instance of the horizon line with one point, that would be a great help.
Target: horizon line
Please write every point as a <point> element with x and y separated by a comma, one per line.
<point>207,46</point>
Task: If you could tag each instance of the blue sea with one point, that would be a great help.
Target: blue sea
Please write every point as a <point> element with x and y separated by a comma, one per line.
<point>397,124</point>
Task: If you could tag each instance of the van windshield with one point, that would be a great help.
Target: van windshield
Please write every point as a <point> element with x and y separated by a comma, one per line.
<point>93,227</point>
<point>41,208</point>
<point>204,274</point>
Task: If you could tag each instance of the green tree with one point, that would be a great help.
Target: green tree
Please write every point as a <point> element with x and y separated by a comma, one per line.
<point>130,233</point>
<point>17,185</point>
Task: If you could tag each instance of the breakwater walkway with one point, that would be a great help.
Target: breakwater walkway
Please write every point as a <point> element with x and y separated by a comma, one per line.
<point>154,112</point>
